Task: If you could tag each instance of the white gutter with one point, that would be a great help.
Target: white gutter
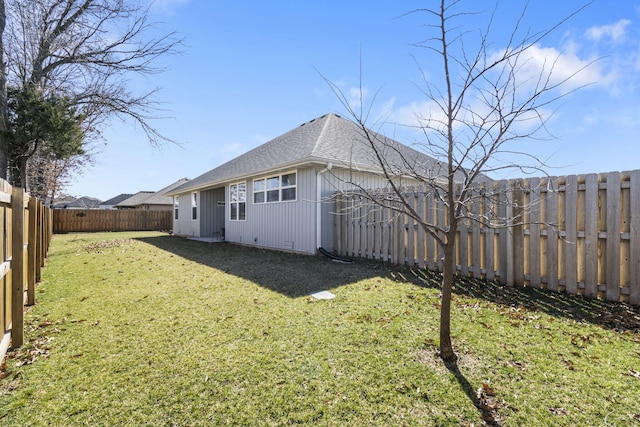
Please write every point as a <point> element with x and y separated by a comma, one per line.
<point>319,204</point>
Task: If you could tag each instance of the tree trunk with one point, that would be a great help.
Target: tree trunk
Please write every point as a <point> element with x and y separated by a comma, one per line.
<point>446,348</point>
<point>19,173</point>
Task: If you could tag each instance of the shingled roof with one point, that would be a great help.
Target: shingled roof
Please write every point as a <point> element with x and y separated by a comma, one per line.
<point>150,197</point>
<point>326,139</point>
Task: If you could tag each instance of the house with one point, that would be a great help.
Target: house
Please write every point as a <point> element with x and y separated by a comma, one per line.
<point>84,202</point>
<point>279,195</point>
<point>112,202</point>
<point>151,200</point>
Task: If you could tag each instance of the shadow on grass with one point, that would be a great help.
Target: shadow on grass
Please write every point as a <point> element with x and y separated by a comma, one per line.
<point>296,275</point>
<point>486,403</point>
<point>610,315</point>
<point>293,275</point>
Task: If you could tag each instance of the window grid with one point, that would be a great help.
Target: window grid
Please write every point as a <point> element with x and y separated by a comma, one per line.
<point>238,202</point>
<point>279,188</point>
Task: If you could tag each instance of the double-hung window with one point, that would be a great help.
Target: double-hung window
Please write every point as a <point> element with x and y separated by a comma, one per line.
<point>238,201</point>
<point>279,188</point>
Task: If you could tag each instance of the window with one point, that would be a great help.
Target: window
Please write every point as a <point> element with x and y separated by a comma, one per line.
<point>279,188</point>
<point>238,201</point>
<point>194,206</point>
<point>176,206</point>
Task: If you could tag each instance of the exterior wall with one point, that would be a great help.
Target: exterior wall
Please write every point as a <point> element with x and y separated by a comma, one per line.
<point>289,225</point>
<point>341,179</point>
<point>184,225</point>
<point>212,212</point>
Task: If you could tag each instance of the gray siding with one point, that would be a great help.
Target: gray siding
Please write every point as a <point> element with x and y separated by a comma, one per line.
<point>211,213</point>
<point>283,225</point>
<point>288,226</point>
<point>184,225</point>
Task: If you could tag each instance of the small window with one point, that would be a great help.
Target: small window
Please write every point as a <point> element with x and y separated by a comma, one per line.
<point>238,202</point>
<point>281,188</point>
<point>176,207</point>
<point>194,206</point>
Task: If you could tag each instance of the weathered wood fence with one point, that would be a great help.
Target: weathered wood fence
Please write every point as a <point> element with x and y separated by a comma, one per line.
<point>95,220</point>
<point>577,234</point>
<point>25,234</point>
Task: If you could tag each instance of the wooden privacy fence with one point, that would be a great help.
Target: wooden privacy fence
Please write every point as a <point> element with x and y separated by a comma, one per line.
<point>95,220</point>
<point>25,235</point>
<point>579,234</point>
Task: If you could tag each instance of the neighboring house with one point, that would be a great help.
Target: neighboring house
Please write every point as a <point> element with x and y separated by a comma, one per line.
<point>279,195</point>
<point>111,203</point>
<point>151,200</point>
<point>77,203</point>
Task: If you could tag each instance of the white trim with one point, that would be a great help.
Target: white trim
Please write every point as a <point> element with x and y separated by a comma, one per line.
<point>194,204</point>
<point>237,202</point>
<point>280,187</point>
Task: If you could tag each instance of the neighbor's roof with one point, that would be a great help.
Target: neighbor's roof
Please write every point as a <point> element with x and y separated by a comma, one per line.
<point>152,198</point>
<point>326,139</point>
<point>115,200</point>
<point>84,202</point>
<point>136,200</point>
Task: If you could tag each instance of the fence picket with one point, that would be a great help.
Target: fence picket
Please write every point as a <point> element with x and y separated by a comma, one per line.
<point>613,237</point>
<point>552,234</point>
<point>420,237</point>
<point>534,233</point>
<point>581,232</point>
<point>571,235</point>
<point>634,238</point>
<point>591,235</point>
<point>489,251</point>
<point>476,250</point>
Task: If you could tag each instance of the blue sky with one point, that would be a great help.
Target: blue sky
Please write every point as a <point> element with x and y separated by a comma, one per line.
<point>252,70</point>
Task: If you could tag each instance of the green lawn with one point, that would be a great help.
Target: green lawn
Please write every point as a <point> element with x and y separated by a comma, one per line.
<point>150,329</point>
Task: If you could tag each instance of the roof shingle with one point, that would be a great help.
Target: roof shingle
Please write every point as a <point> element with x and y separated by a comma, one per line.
<point>326,139</point>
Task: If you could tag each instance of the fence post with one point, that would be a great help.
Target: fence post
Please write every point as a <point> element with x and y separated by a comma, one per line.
<point>40,241</point>
<point>17,267</point>
<point>32,250</point>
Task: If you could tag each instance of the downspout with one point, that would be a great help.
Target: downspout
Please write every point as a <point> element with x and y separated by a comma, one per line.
<point>319,204</point>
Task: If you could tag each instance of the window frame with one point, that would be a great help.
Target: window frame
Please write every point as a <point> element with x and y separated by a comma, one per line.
<point>194,206</point>
<point>265,191</point>
<point>240,214</point>
<point>176,207</point>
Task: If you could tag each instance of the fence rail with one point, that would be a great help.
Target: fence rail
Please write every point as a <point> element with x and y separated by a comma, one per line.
<point>578,234</point>
<point>95,220</point>
<point>26,228</point>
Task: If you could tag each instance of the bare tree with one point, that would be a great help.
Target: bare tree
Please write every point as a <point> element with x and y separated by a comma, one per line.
<point>89,51</point>
<point>3,89</point>
<point>50,177</point>
<point>486,102</point>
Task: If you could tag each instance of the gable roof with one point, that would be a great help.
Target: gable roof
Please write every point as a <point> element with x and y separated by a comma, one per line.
<point>115,200</point>
<point>83,202</point>
<point>151,197</point>
<point>135,200</point>
<point>326,139</point>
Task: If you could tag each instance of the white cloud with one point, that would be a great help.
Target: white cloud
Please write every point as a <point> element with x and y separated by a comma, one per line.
<point>614,31</point>
<point>560,67</point>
